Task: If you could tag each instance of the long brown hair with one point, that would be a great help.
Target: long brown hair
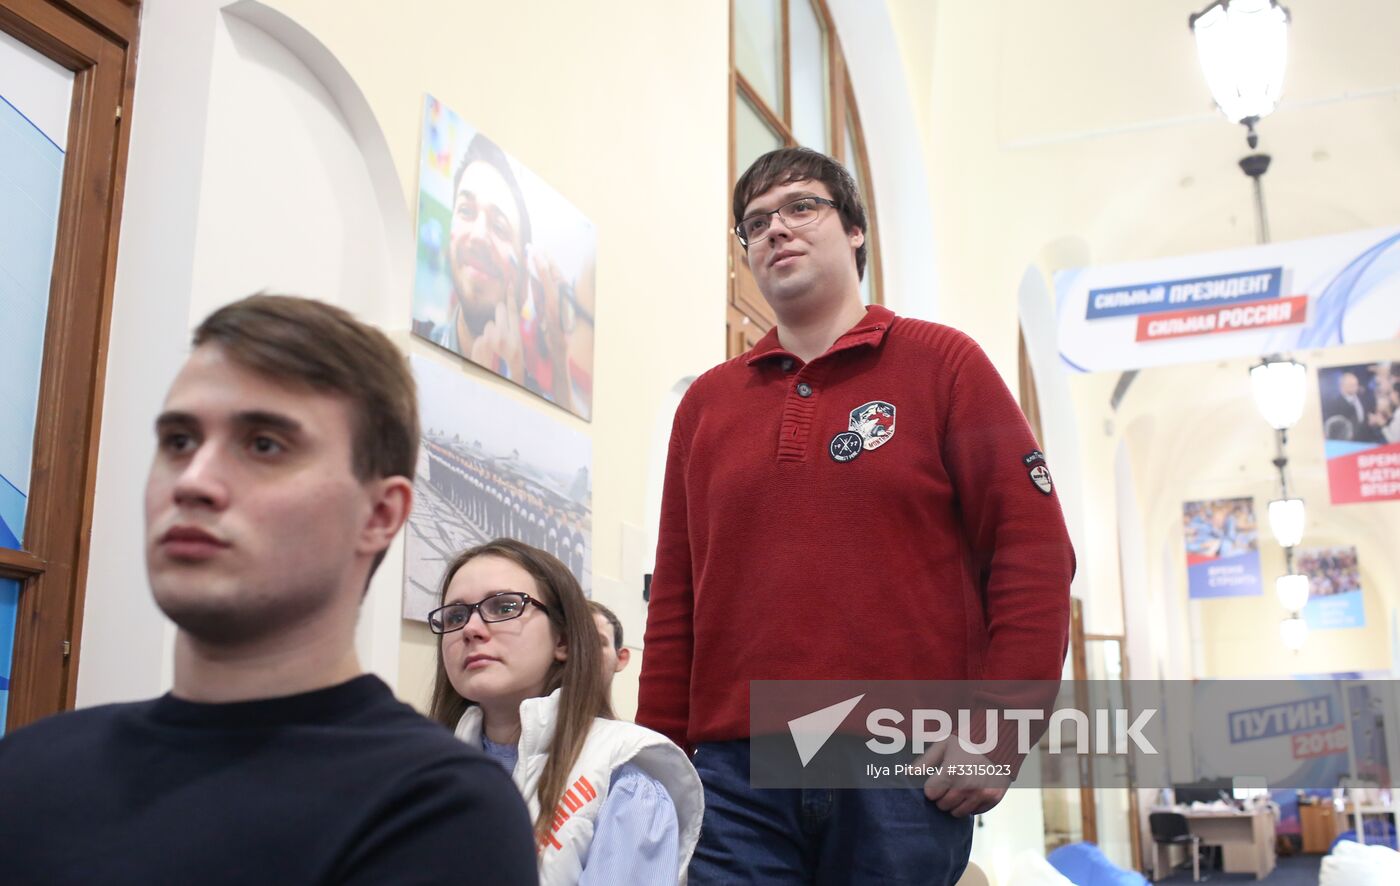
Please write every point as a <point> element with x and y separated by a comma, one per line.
<point>580,675</point>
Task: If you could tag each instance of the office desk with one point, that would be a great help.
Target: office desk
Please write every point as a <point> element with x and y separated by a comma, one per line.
<point>1247,838</point>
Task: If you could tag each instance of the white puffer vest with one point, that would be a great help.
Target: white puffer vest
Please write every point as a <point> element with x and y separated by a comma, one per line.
<point>610,744</point>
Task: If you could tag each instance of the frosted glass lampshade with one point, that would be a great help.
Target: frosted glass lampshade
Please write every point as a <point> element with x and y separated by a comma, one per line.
<point>1292,591</point>
<point>1243,49</point>
<point>1279,389</point>
<point>1286,518</point>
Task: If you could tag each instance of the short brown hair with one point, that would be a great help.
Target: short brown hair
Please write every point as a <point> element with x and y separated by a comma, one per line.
<point>612,619</point>
<point>787,165</point>
<point>482,150</point>
<point>299,340</point>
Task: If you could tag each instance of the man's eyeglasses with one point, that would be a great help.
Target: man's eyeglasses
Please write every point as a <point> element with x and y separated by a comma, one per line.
<point>795,214</point>
<point>498,607</point>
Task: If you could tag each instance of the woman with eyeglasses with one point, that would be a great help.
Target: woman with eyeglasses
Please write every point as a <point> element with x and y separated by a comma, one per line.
<point>520,675</point>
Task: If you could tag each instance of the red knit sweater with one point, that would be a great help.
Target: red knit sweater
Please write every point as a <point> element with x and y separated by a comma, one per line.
<point>933,555</point>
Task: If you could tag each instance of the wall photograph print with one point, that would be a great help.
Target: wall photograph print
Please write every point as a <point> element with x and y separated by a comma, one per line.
<point>490,467</point>
<point>505,265</point>
<point>1334,587</point>
<point>1222,548</point>
<point>1361,424</point>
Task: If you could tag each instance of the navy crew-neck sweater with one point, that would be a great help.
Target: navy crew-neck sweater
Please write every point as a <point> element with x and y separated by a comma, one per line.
<point>342,785</point>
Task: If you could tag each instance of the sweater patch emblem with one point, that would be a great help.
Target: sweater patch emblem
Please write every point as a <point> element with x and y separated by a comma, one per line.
<point>1038,472</point>
<point>874,422</point>
<point>846,446</point>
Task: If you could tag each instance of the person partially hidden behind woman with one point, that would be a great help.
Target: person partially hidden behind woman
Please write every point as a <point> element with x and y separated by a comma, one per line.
<point>520,676</point>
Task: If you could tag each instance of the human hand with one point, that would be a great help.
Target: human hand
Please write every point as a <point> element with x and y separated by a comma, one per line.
<point>551,324</point>
<point>965,783</point>
<point>498,347</point>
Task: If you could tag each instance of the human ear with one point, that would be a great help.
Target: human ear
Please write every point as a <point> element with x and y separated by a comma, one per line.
<point>390,504</point>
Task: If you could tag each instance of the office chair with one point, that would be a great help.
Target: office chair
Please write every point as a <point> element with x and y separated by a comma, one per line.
<point>1172,829</point>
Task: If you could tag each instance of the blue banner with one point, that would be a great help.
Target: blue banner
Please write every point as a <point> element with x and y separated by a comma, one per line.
<point>1270,721</point>
<point>1335,611</point>
<point>1174,295</point>
<point>1236,576</point>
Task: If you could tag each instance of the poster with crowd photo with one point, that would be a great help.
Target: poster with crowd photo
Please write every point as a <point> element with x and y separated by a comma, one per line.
<point>1361,424</point>
<point>1334,587</point>
<point>504,272</point>
<point>1222,548</point>
<point>490,467</point>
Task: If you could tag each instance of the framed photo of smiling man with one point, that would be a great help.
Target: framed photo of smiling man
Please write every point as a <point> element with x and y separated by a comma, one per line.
<point>504,272</point>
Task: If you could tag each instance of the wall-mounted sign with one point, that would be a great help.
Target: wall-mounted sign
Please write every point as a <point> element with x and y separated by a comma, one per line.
<point>1234,303</point>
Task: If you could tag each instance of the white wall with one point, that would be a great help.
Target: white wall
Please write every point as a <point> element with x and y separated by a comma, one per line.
<point>1215,446</point>
<point>125,644</point>
<point>249,169</point>
<point>290,204</point>
<point>1087,122</point>
<point>1063,134</point>
<point>287,161</point>
<point>1016,825</point>
<point>1061,432</point>
<point>616,106</point>
<point>896,154</point>
<point>278,190</point>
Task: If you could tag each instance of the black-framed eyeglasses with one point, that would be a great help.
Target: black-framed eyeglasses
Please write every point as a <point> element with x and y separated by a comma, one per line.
<point>795,214</point>
<point>502,606</point>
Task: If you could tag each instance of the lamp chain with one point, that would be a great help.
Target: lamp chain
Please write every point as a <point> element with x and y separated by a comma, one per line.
<point>1263,218</point>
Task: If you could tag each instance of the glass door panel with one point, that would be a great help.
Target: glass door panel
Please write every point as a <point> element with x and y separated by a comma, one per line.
<point>35,97</point>
<point>1113,813</point>
<point>9,606</point>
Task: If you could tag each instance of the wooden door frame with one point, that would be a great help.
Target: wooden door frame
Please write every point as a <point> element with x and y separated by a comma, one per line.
<point>1088,810</point>
<point>1134,832</point>
<point>743,300</point>
<point>96,39</point>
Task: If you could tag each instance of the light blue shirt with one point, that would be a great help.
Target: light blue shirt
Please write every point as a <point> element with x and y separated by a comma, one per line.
<point>636,838</point>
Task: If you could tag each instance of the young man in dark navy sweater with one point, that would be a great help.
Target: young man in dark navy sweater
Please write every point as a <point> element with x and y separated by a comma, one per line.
<point>858,497</point>
<point>283,469</point>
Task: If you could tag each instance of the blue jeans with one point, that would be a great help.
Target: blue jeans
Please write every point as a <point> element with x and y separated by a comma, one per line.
<point>886,836</point>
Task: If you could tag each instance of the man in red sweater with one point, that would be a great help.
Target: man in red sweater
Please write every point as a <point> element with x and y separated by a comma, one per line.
<point>858,497</point>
